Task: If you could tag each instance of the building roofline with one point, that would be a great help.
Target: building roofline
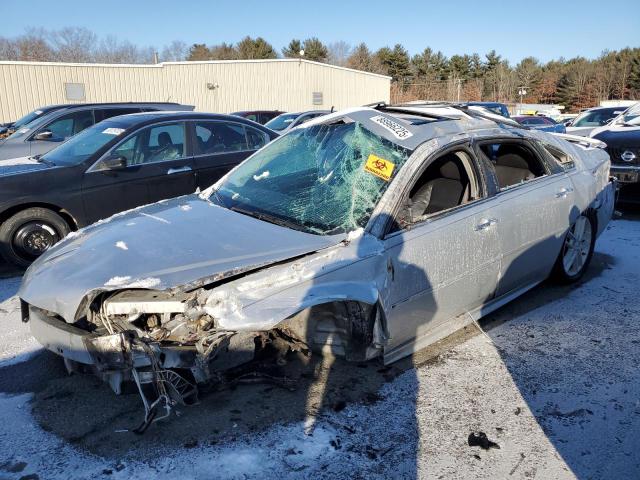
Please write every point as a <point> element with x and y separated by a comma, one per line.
<point>163,64</point>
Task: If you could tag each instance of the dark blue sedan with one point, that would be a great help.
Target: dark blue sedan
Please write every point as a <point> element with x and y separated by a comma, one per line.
<point>539,122</point>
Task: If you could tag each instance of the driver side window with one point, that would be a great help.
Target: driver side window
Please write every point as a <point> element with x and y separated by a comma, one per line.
<point>68,125</point>
<point>154,144</point>
<point>446,183</point>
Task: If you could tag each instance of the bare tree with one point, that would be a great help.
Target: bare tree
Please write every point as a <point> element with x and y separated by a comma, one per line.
<point>176,51</point>
<point>33,46</point>
<point>8,49</point>
<point>74,44</point>
<point>339,53</point>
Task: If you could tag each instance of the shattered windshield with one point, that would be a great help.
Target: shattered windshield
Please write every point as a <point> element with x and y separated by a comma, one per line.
<point>325,179</point>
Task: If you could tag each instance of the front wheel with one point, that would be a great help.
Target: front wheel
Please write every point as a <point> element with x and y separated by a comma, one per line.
<point>29,233</point>
<point>576,251</point>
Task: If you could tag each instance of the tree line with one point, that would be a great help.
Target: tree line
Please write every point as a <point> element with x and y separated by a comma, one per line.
<point>575,83</point>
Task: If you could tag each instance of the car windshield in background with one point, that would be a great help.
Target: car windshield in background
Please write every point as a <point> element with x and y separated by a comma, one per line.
<point>81,146</point>
<point>28,118</point>
<point>594,118</point>
<point>534,121</point>
<point>632,116</point>
<point>324,179</point>
<point>281,122</point>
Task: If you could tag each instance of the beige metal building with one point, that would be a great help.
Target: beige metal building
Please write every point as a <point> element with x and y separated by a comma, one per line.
<point>216,86</point>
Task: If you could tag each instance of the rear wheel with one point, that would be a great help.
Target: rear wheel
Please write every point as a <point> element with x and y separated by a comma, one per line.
<point>29,233</point>
<point>576,251</point>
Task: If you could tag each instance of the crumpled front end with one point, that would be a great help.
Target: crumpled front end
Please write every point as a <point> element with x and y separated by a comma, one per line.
<point>238,329</point>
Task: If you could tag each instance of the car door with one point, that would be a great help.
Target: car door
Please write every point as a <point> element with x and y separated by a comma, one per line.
<point>442,265</point>
<point>156,165</point>
<point>533,211</point>
<point>220,145</point>
<point>58,130</point>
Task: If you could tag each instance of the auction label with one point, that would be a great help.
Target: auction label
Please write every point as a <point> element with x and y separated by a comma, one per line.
<point>379,167</point>
<point>396,129</point>
<point>113,131</point>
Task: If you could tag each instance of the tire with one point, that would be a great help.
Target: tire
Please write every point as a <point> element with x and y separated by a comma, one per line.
<point>29,233</point>
<point>577,250</point>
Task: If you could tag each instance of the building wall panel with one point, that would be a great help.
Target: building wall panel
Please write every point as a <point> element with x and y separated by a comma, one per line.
<point>283,84</point>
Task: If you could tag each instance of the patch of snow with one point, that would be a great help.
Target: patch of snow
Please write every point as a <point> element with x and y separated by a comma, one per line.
<point>19,161</point>
<point>185,208</point>
<point>355,234</point>
<point>122,245</point>
<point>159,219</point>
<point>117,281</point>
<point>264,174</point>
<point>144,283</point>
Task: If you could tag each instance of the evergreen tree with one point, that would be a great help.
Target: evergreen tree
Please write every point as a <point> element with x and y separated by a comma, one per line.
<point>199,51</point>
<point>293,49</point>
<point>315,50</point>
<point>249,49</point>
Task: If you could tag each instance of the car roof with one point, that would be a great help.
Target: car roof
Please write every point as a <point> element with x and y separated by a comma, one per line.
<point>134,119</point>
<point>422,122</point>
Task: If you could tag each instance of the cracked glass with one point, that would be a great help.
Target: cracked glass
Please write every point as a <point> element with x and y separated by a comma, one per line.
<point>325,179</point>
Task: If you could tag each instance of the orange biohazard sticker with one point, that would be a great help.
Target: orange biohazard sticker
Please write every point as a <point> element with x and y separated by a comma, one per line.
<point>379,167</point>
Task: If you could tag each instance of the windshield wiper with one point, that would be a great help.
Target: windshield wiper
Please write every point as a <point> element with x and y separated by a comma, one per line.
<point>269,218</point>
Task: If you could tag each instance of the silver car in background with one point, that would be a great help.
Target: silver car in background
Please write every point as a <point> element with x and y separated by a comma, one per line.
<point>46,132</point>
<point>370,232</point>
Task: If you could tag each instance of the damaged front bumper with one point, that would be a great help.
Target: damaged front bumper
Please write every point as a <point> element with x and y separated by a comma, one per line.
<point>114,356</point>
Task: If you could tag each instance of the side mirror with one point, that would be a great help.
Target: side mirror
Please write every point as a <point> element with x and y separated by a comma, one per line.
<point>44,135</point>
<point>113,162</point>
<point>568,123</point>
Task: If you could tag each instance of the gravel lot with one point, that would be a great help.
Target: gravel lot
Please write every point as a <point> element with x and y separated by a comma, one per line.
<point>554,383</point>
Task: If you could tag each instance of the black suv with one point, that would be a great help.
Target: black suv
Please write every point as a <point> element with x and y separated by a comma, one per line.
<point>115,165</point>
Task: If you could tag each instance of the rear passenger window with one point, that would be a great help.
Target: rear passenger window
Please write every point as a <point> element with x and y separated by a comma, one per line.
<point>220,137</point>
<point>514,163</point>
<point>256,139</point>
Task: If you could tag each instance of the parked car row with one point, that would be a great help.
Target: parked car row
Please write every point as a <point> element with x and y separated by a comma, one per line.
<point>371,232</point>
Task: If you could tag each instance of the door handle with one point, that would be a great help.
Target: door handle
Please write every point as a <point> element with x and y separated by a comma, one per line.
<point>486,224</point>
<point>171,171</point>
<point>563,192</point>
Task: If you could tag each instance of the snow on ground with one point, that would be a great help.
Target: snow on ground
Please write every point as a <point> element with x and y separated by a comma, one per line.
<point>554,383</point>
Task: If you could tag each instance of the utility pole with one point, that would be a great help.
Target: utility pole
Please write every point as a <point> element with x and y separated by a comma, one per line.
<point>522,91</point>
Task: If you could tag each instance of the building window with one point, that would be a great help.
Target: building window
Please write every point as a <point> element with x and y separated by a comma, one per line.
<point>74,91</point>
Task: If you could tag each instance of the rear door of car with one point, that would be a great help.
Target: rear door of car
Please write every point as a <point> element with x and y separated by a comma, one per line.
<point>532,218</point>
<point>219,145</point>
<point>158,166</point>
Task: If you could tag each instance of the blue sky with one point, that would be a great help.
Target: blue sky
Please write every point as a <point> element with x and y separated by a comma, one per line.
<point>545,29</point>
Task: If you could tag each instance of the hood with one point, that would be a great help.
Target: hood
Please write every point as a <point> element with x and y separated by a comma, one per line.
<point>20,165</point>
<point>180,243</point>
<point>619,136</point>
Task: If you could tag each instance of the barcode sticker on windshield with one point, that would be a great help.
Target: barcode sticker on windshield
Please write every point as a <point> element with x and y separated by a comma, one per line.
<point>395,128</point>
<point>113,131</point>
<point>379,167</point>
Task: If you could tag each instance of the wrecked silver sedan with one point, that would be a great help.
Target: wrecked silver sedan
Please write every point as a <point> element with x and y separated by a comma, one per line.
<point>366,233</point>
